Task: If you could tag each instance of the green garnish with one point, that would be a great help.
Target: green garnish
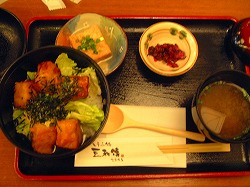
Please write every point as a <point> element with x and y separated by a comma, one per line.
<point>183,34</point>
<point>45,107</point>
<point>173,31</point>
<point>88,43</point>
<point>149,36</point>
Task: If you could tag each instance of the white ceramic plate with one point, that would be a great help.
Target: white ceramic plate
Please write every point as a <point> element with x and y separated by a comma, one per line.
<point>170,33</point>
<point>112,33</point>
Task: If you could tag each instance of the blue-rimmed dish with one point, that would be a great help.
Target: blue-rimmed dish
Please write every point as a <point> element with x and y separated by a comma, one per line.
<point>113,34</point>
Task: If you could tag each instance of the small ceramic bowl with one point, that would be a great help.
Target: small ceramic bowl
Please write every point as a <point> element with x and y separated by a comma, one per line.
<point>113,34</point>
<point>168,33</point>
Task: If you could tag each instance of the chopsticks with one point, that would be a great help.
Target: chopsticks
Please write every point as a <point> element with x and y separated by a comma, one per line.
<point>196,148</point>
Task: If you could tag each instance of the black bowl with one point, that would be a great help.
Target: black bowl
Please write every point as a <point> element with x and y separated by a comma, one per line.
<point>12,39</point>
<point>237,78</point>
<point>17,72</point>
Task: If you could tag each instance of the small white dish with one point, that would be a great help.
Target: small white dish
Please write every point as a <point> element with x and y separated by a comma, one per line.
<point>169,33</point>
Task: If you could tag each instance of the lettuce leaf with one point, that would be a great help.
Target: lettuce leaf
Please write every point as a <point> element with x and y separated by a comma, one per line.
<point>89,115</point>
<point>24,123</point>
<point>31,75</point>
<point>65,64</point>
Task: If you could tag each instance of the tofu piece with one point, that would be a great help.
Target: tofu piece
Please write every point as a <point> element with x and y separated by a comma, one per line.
<point>93,32</point>
<point>82,86</point>
<point>43,138</point>
<point>69,134</point>
<point>47,74</point>
<point>23,92</point>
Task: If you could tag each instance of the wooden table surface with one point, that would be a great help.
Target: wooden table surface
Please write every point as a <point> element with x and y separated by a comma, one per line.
<point>27,9</point>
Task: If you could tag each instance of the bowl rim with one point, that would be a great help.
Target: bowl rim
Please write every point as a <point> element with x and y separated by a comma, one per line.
<point>191,42</point>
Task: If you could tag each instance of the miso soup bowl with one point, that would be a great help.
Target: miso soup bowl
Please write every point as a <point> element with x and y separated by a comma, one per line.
<point>211,124</point>
<point>18,72</point>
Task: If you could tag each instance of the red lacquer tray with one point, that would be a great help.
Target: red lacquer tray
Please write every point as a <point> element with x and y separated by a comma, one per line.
<point>134,84</point>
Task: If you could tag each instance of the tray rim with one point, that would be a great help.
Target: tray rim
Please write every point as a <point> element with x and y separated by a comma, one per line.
<point>44,18</point>
<point>127,176</point>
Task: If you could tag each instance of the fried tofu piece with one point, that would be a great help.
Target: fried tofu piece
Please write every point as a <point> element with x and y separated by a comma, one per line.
<point>82,86</point>
<point>47,74</point>
<point>43,138</point>
<point>69,134</point>
<point>23,92</point>
<point>94,32</point>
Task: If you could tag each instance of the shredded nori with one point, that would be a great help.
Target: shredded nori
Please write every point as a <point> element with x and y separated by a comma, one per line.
<point>47,106</point>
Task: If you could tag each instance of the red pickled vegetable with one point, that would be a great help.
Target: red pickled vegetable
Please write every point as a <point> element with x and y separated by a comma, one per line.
<point>169,53</point>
